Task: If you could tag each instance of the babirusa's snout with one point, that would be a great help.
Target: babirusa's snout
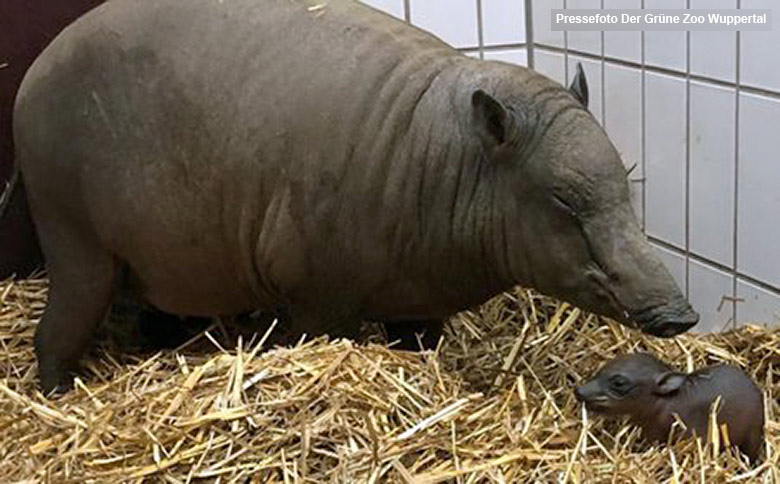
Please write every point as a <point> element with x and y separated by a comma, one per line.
<point>646,294</point>
<point>666,320</point>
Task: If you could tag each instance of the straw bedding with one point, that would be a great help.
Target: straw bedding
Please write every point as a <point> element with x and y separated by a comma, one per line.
<point>494,404</point>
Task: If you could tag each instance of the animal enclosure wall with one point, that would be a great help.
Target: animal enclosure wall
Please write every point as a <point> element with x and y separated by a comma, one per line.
<point>695,114</point>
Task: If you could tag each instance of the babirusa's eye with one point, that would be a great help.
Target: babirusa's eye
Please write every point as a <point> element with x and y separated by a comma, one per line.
<point>561,202</point>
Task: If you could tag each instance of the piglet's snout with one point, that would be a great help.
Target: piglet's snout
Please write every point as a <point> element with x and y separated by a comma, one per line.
<point>591,394</point>
<point>588,393</point>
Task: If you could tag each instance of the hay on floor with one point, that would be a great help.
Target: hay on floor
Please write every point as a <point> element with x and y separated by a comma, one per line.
<point>495,404</point>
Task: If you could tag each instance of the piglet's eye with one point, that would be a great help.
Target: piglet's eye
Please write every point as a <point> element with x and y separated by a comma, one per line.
<point>618,381</point>
<point>619,384</point>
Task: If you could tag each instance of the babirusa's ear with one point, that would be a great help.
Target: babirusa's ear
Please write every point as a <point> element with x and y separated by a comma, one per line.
<point>579,86</point>
<point>668,382</point>
<point>491,119</point>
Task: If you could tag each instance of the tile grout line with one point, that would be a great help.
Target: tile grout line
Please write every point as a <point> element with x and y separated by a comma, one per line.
<point>494,48</point>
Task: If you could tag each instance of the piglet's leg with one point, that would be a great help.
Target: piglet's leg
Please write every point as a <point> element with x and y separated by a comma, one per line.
<point>753,444</point>
<point>82,282</point>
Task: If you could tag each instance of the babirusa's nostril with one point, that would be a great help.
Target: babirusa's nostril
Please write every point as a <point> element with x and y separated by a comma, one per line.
<point>668,319</point>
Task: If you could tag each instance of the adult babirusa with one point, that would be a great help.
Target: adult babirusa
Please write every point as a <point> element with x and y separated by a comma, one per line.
<point>333,164</point>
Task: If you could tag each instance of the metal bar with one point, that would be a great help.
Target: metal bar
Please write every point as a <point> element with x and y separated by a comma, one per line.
<point>688,159</point>
<point>565,52</point>
<point>643,139</point>
<point>602,60</point>
<point>737,94</point>
<point>529,33</point>
<point>480,31</point>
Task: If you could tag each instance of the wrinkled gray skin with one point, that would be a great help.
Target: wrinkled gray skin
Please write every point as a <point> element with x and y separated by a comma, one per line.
<point>650,392</point>
<point>335,163</point>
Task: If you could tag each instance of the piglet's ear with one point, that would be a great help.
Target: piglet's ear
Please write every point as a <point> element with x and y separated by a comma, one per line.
<point>668,382</point>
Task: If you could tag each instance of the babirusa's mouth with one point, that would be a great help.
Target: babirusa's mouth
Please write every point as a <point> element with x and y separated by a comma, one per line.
<point>666,320</point>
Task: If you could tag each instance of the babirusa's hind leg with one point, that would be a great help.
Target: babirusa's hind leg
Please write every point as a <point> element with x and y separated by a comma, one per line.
<point>82,282</point>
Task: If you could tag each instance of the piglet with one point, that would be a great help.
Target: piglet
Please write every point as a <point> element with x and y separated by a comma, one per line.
<point>651,393</point>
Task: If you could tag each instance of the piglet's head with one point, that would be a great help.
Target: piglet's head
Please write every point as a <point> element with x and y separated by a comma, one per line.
<point>629,384</point>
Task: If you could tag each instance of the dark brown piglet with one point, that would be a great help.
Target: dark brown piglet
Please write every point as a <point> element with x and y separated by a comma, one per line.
<point>650,392</point>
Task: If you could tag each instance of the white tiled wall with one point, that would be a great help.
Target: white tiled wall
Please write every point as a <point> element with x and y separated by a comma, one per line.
<point>703,122</point>
<point>541,22</point>
<point>675,262</point>
<point>758,57</point>
<point>665,49</point>
<point>758,217</point>
<point>713,54</point>
<point>711,140</point>
<point>393,7</point>
<point>756,305</point>
<point>623,122</point>
<point>551,64</point>
<point>700,120</point>
<point>503,22</point>
<point>455,21</point>
<point>708,286</point>
<point>665,155</point>
<point>513,56</point>
<point>623,45</point>
<point>589,42</point>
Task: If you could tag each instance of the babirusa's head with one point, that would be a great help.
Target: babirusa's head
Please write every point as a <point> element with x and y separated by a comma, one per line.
<point>570,228</point>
